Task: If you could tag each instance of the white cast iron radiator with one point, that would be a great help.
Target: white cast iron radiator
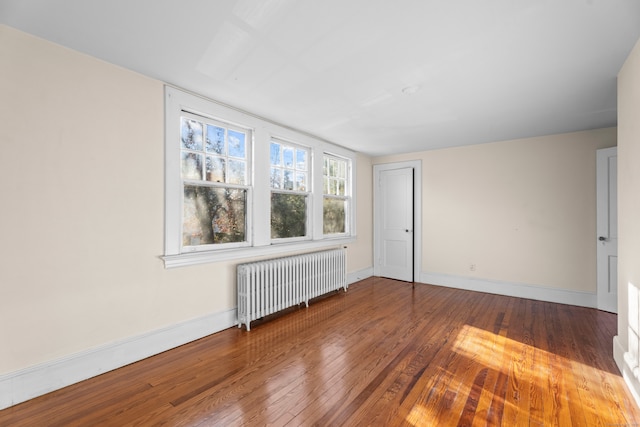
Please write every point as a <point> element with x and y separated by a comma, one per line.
<point>265,287</point>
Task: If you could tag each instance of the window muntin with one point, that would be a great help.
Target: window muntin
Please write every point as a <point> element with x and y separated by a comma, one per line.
<point>290,190</point>
<point>336,196</point>
<point>214,171</point>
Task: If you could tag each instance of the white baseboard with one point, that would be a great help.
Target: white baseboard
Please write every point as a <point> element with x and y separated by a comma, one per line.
<point>356,276</point>
<point>618,352</point>
<point>25,384</point>
<point>34,381</point>
<point>540,293</point>
<point>627,367</point>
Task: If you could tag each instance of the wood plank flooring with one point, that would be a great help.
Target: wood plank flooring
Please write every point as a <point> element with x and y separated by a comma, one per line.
<point>383,354</point>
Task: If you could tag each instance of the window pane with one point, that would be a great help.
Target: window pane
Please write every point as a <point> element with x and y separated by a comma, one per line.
<point>191,165</point>
<point>275,154</point>
<point>215,169</point>
<point>333,187</point>
<point>341,188</point>
<point>236,144</point>
<point>301,160</point>
<point>191,134</point>
<point>301,181</point>
<point>333,216</point>
<point>342,169</point>
<point>236,172</point>
<point>288,215</point>
<point>288,179</point>
<point>287,156</point>
<point>213,215</point>
<point>215,139</point>
<point>276,178</point>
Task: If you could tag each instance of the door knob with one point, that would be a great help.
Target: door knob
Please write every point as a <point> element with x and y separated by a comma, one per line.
<point>602,238</point>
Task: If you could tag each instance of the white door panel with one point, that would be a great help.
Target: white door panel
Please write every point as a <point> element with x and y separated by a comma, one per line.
<point>607,229</point>
<point>396,224</point>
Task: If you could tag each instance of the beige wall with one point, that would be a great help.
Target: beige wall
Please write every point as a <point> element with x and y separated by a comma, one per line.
<point>360,253</point>
<point>521,211</point>
<point>82,177</point>
<point>629,218</point>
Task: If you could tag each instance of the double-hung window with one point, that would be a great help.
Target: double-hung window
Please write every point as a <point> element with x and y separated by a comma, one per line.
<point>290,190</point>
<point>214,158</point>
<point>238,186</point>
<point>336,196</point>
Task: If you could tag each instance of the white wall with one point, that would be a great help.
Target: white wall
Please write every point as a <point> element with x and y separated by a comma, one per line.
<point>523,212</point>
<point>82,184</point>
<point>626,344</point>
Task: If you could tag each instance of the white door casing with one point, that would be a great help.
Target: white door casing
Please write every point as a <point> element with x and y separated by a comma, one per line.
<point>607,229</point>
<point>397,230</point>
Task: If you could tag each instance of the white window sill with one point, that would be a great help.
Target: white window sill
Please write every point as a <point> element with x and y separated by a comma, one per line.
<point>195,258</point>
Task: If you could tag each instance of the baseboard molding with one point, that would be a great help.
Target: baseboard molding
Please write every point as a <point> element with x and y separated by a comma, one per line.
<point>618,352</point>
<point>627,367</point>
<point>356,276</point>
<point>34,381</point>
<point>540,293</point>
<point>25,384</point>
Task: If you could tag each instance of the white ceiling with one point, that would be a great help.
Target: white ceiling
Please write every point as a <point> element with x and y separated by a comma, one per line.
<point>485,70</point>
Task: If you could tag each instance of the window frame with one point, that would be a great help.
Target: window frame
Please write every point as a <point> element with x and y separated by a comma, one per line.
<point>258,196</point>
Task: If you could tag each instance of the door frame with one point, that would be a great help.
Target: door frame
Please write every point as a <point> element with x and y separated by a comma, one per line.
<point>416,165</point>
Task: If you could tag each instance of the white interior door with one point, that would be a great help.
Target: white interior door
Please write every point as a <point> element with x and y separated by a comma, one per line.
<point>607,229</point>
<point>395,224</point>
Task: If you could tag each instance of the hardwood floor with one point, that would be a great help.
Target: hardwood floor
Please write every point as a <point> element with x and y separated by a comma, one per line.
<point>384,354</point>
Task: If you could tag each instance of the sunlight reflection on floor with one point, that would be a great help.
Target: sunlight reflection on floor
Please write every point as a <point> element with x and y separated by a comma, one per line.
<point>419,416</point>
<point>535,379</point>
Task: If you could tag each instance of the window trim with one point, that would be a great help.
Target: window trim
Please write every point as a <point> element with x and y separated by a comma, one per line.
<point>263,131</point>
